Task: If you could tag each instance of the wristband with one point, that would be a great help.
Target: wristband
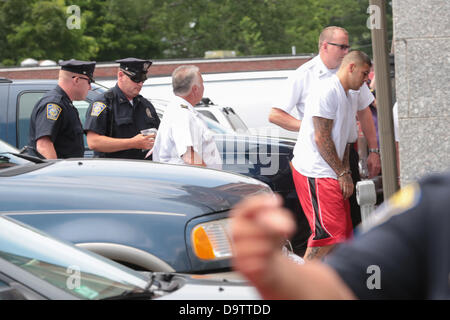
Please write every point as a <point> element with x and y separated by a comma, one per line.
<point>376,150</point>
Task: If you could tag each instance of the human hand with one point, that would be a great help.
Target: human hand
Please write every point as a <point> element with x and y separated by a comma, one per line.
<point>259,226</point>
<point>346,184</point>
<point>373,164</point>
<point>144,142</point>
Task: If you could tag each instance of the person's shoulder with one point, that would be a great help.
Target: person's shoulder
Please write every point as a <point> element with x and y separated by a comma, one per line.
<point>326,87</point>
<point>145,101</point>
<point>53,103</point>
<point>426,198</point>
<point>52,96</point>
<point>305,69</point>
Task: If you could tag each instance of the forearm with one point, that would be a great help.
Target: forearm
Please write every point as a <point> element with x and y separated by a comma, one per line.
<point>312,281</point>
<point>325,144</point>
<point>346,159</point>
<point>368,127</point>
<point>107,144</point>
<point>193,158</point>
<point>284,120</point>
<point>46,148</point>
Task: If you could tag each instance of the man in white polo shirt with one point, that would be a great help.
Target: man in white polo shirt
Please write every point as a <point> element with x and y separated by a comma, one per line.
<point>321,169</point>
<point>183,137</point>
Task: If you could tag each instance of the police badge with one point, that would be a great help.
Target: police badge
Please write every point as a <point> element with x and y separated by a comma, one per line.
<point>149,114</point>
<point>53,111</point>
<point>97,108</point>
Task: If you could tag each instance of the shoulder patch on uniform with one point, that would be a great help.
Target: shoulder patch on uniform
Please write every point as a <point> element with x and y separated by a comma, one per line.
<point>403,200</point>
<point>53,111</point>
<point>97,108</point>
<point>184,106</point>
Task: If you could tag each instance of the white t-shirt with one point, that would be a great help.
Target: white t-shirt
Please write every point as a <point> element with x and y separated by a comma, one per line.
<point>183,127</point>
<point>303,81</point>
<point>327,100</point>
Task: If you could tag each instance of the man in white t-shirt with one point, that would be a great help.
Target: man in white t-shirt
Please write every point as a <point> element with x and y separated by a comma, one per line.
<point>183,137</point>
<point>320,166</point>
<point>333,46</point>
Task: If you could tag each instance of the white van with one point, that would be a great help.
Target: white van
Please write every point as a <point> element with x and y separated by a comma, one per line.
<point>250,94</point>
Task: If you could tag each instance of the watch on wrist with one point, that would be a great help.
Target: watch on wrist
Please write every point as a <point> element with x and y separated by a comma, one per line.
<point>375,150</point>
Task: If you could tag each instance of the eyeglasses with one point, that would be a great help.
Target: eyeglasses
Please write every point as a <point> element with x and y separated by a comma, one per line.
<point>342,46</point>
<point>87,79</point>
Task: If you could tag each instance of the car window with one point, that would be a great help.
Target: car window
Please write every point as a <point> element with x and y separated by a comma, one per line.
<point>76,271</point>
<point>27,100</point>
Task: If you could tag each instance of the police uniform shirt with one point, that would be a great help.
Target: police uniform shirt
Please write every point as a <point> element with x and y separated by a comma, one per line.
<point>114,116</point>
<point>55,116</point>
<point>405,254</point>
<point>182,127</point>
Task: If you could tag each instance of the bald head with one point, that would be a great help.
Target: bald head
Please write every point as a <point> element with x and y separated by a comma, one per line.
<point>75,85</point>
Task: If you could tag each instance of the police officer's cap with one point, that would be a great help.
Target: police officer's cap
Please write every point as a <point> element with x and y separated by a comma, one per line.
<point>135,68</point>
<point>79,67</point>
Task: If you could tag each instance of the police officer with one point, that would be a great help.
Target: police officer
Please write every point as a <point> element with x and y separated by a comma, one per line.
<point>114,121</point>
<point>55,127</point>
<point>403,253</point>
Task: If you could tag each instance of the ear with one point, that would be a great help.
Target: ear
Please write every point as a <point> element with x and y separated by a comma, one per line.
<point>352,67</point>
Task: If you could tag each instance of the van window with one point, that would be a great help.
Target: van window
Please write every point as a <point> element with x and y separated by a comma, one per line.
<point>27,100</point>
<point>82,107</point>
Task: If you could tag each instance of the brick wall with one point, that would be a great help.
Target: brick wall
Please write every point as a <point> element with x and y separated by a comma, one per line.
<point>106,71</point>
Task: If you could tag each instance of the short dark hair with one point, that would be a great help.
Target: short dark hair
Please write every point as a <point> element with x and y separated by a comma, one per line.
<point>357,57</point>
<point>328,33</point>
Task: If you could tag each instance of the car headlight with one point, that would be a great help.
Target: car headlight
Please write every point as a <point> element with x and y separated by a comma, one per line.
<point>211,240</point>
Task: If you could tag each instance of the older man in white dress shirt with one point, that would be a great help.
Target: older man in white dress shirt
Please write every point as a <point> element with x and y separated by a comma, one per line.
<point>183,137</point>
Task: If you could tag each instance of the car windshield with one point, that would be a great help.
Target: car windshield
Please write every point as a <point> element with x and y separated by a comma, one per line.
<point>7,157</point>
<point>235,121</point>
<point>76,271</point>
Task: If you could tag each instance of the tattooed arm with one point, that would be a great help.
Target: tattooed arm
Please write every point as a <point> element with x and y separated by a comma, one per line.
<point>327,149</point>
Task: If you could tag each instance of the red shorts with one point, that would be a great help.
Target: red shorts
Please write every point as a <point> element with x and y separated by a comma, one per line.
<point>327,212</point>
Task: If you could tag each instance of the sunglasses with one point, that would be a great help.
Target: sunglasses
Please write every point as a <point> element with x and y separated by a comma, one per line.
<point>87,79</point>
<point>136,77</point>
<point>342,46</point>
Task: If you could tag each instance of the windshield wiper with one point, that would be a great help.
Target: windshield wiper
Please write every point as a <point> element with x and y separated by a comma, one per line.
<point>28,157</point>
<point>149,292</point>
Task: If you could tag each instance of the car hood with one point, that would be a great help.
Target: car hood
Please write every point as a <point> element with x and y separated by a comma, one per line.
<point>126,185</point>
<point>206,287</point>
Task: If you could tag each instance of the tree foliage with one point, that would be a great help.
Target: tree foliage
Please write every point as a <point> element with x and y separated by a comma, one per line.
<point>163,29</point>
